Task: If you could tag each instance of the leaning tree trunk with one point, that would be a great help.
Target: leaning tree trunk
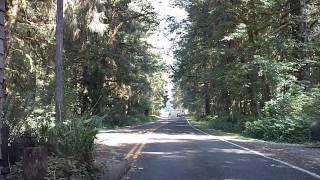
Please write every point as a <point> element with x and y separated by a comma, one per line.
<point>59,63</point>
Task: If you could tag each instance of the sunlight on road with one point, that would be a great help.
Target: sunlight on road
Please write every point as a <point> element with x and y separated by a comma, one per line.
<point>127,137</point>
<point>124,137</point>
<point>118,139</point>
<point>234,151</point>
<point>171,143</point>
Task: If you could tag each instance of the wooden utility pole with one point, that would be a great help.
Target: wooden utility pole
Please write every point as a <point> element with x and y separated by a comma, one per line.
<point>59,63</point>
<point>2,62</point>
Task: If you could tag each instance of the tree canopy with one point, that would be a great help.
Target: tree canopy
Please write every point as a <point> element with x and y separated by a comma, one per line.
<point>110,69</point>
<point>243,58</point>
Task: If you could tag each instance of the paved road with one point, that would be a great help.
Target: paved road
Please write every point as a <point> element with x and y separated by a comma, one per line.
<point>173,150</point>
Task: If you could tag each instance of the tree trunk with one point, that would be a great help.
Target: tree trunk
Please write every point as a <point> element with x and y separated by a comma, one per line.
<point>301,33</point>
<point>35,163</point>
<point>227,101</point>
<point>253,101</point>
<point>59,63</point>
<point>3,146</point>
<point>252,79</point>
<point>266,92</point>
<point>83,95</point>
<point>12,22</point>
<point>306,70</point>
<point>207,99</point>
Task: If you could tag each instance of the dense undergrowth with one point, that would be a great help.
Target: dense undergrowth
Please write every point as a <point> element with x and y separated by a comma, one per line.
<point>71,145</point>
<point>63,168</point>
<point>286,118</point>
<point>70,148</point>
<point>122,120</point>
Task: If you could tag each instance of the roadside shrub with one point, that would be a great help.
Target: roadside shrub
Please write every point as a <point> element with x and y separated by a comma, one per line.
<point>76,138</point>
<point>63,168</point>
<point>70,168</point>
<point>312,108</point>
<point>117,120</point>
<point>292,104</point>
<point>71,148</point>
<point>286,118</point>
<point>279,130</point>
<point>226,124</point>
<point>198,117</point>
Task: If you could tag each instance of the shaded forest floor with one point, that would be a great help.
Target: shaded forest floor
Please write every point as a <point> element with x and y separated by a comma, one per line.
<point>301,155</point>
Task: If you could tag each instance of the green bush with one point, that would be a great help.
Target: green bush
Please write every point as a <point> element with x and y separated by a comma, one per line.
<point>279,130</point>
<point>70,168</point>
<point>63,168</point>
<point>118,120</point>
<point>225,123</point>
<point>286,118</point>
<point>76,138</point>
<point>291,104</point>
<point>71,148</point>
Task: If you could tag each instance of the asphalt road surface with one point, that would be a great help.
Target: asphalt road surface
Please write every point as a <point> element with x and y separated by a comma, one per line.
<point>173,150</point>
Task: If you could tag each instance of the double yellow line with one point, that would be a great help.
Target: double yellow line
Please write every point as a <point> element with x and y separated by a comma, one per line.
<point>136,150</point>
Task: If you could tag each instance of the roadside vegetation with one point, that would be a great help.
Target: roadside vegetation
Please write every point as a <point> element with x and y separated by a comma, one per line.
<point>112,78</point>
<point>250,67</point>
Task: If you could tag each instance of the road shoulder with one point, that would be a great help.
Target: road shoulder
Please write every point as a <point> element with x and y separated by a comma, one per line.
<point>113,156</point>
<point>299,155</point>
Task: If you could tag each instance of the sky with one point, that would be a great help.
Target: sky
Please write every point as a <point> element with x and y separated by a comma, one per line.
<point>164,9</point>
<point>160,40</point>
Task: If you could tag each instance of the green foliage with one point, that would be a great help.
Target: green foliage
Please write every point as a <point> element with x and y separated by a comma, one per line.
<point>76,138</point>
<point>116,120</point>
<point>69,168</point>
<point>71,148</point>
<point>109,68</point>
<point>280,129</point>
<point>239,62</point>
<point>108,64</point>
<point>16,172</point>
<point>225,124</point>
<point>290,104</point>
<point>63,168</point>
<point>286,118</point>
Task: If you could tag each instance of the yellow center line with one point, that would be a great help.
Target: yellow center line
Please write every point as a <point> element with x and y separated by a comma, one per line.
<point>137,149</point>
<point>138,152</point>
<point>131,152</point>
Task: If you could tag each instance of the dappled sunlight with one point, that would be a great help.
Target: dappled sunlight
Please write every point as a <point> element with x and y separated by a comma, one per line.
<point>235,151</point>
<point>238,138</point>
<point>175,133</point>
<point>118,139</point>
<point>174,154</point>
<point>174,143</point>
<point>122,138</point>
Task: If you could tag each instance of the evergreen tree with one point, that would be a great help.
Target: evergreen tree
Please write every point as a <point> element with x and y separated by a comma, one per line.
<point>239,58</point>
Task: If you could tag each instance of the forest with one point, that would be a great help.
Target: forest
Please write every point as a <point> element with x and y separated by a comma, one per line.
<point>71,68</point>
<point>250,67</point>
